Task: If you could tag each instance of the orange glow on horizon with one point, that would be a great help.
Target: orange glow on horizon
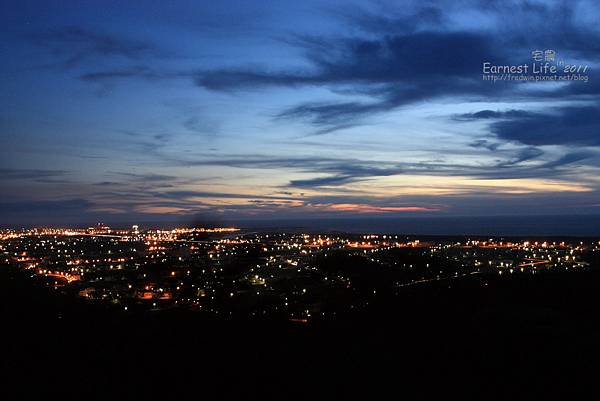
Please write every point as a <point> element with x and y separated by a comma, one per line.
<point>362,208</point>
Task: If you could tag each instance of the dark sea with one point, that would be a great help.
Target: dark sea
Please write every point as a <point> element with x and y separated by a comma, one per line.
<point>580,225</point>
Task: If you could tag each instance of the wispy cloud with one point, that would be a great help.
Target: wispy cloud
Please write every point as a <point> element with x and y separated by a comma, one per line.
<point>30,174</point>
<point>75,45</point>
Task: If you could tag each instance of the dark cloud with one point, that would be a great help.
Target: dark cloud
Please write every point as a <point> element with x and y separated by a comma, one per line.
<point>244,79</point>
<point>490,114</point>
<point>147,143</point>
<point>391,58</point>
<point>45,208</point>
<point>145,182</point>
<point>131,72</point>
<point>206,194</point>
<point>483,143</point>
<point>393,70</point>
<point>27,174</point>
<point>52,181</point>
<point>385,22</point>
<point>345,173</point>
<point>108,183</point>
<point>523,155</point>
<point>322,181</point>
<point>576,125</point>
<point>333,116</point>
<point>201,125</point>
<point>340,170</point>
<point>262,161</point>
<point>75,45</point>
<point>569,158</point>
<point>149,177</point>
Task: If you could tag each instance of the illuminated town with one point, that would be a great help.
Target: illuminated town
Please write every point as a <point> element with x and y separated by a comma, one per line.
<point>293,276</point>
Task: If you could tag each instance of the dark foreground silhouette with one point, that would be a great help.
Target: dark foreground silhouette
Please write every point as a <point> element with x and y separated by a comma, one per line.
<point>528,337</point>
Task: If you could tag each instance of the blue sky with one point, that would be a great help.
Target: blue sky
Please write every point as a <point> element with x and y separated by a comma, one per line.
<point>151,110</point>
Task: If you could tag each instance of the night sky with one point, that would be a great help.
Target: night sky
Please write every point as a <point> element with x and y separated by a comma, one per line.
<point>159,111</point>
